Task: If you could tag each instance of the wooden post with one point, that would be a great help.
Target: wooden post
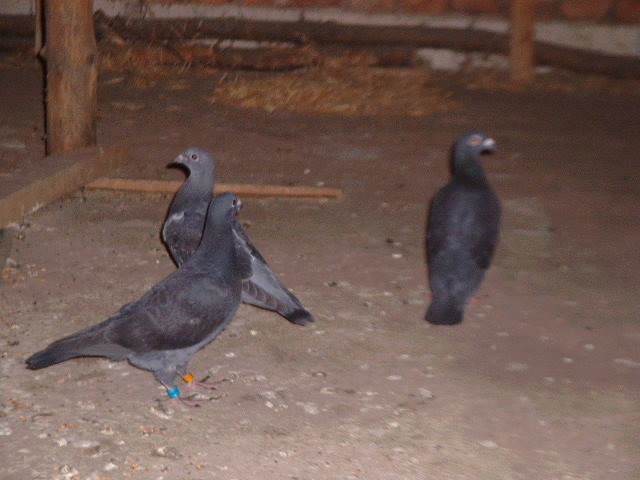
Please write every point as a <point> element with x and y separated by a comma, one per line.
<point>72,71</point>
<point>39,31</point>
<point>521,41</point>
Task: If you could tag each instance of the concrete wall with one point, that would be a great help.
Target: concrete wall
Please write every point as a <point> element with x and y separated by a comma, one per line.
<point>611,26</point>
<point>609,11</point>
<point>602,11</point>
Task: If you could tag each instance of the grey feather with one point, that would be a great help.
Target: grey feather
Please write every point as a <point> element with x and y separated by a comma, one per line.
<point>462,231</point>
<point>182,230</point>
<point>181,314</point>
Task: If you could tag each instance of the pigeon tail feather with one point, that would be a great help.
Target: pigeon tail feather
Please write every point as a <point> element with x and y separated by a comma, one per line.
<point>283,302</point>
<point>49,356</point>
<point>446,313</point>
<point>87,342</point>
<point>299,316</point>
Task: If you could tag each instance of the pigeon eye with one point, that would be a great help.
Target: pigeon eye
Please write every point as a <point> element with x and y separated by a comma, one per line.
<point>234,202</point>
<point>194,157</point>
<point>475,140</point>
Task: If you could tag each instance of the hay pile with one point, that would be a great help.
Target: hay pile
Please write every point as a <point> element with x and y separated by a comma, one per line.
<point>304,80</point>
<point>345,91</point>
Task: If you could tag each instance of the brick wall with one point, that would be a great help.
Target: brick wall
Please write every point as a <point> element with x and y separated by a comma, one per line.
<point>602,11</point>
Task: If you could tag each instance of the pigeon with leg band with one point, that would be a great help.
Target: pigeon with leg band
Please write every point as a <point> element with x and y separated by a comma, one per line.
<point>183,228</point>
<point>180,315</point>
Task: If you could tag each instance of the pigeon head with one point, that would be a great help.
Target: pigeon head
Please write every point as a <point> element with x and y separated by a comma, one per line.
<point>475,142</point>
<point>219,224</point>
<point>200,168</point>
<point>195,160</point>
<point>466,153</point>
<point>223,206</point>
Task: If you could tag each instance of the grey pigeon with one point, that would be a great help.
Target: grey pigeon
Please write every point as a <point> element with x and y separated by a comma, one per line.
<point>184,312</point>
<point>462,231</point>
<point>183,228</point>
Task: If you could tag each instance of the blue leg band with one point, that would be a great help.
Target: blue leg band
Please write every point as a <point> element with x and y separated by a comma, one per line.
<point>174,392</point>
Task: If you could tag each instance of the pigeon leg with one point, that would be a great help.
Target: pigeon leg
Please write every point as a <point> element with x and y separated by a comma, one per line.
<point>201,385</point>
<point>479,300</point>
<point>175,396</point>
<point>166,377</point>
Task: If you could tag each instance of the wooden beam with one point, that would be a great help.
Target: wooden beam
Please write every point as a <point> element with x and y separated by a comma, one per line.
<point>13,29</point>
<point>245,190</point>
<point>53,177</point>
<point>261,59</point>
<point>522,41</point>
<point>72,72</point>
<point>302,32</point>
<point>331,33</point>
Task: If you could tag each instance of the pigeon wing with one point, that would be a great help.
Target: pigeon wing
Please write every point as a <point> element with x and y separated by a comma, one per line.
<point>263,288</point>
<point>182,232</point>
<point>486,224</point>
<point>439,229</point>
<point>464,220</point>
<point>179,312</point>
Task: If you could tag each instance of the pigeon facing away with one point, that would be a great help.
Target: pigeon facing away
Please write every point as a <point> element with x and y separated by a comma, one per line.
<point>181,314</point>
<point>183,228</point>
<point>462,231</point>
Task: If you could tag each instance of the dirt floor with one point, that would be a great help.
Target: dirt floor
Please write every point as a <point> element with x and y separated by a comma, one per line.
<point>541,381</point>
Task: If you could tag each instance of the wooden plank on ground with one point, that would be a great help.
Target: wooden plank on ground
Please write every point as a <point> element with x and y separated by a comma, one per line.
<point>55,176</point>
<point>242,190</point>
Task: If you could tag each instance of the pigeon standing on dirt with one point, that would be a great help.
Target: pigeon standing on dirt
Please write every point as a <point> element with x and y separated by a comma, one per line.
<point>183,228</point>
<point>184,312</point>
<point>462,231</point>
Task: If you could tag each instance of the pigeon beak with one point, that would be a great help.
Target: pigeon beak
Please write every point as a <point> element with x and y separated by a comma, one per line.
<point>179,160</point>
<point>488,145</point>
<point>237,207</point>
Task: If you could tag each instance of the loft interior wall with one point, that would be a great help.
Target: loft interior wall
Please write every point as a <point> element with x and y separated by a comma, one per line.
<point>613,28</point>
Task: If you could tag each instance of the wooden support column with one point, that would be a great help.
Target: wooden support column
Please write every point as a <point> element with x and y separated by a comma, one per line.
<point>72,71</point>
<point>521,41</point>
